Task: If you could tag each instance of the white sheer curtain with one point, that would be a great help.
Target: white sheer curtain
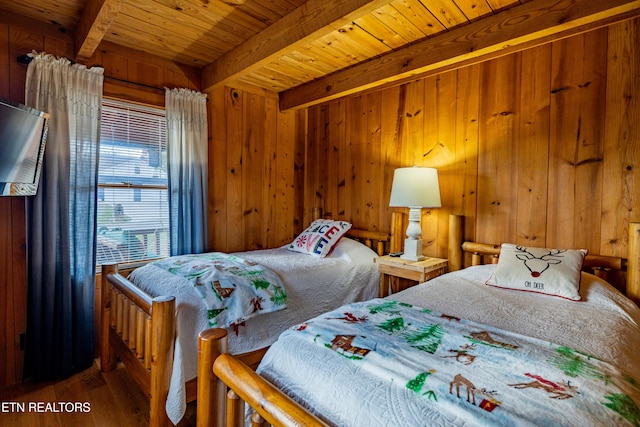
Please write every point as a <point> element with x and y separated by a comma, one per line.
<point>61,218</point>
<point>186,112</point>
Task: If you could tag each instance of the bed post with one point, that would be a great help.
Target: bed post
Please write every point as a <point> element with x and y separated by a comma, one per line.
<point>163,334</point>
<point>633,263</point>
<point>108,359</point>
<point>454,250</point>
<point>211,392</point>
<point>396,234</point>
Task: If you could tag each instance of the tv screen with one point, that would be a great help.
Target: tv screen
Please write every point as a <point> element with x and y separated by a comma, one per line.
<point>23,133</point>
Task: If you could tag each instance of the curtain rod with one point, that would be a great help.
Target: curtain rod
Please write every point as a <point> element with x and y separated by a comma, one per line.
<point>26,59</point>
<point>161,89</point>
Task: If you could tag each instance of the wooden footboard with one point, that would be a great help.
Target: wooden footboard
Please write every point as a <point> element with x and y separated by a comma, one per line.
<point>139,330</point>
<point>223,390</point>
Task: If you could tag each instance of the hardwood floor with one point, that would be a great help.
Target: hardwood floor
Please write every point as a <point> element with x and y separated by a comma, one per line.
<point>89,398</point>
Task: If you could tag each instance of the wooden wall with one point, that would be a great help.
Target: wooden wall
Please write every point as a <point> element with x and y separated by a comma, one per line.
<point>256,158</point>
<point>540,147</point>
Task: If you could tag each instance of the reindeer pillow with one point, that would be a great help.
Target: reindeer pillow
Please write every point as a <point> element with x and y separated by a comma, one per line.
<point>547,271</point>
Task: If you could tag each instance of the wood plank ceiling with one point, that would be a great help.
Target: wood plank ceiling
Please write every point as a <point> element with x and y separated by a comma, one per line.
<point>316,50</point>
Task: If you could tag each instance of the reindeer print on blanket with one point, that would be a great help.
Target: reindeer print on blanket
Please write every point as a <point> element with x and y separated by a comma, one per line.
<point>232,289</point>
<point>471,373</point>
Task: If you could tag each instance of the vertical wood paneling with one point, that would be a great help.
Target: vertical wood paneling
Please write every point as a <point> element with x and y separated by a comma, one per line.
<point>391,120</point>
<point>341,149</point>
<point>20,42</point>
<point>311,165</point>
<point>371,167</point>
<point>268,202</point>
<point>283,214</point>
<point>465,165</point>
<point>333,133</point>
<point>253,176</point>
<point>412,136</point>
<point>356,136</point>
<point>321,168</point>
<point>7,375</point>
<point>59,47</point>
<point>256,172</point>
<point>6,274</point>
<point>236,138</point>
<point>533,147</point>
<point>621,169</point>
<point>301,134</point>
<point>497,168</point>
<point>217,169</point>
<point>577,126</point>
<point>19,277</point>
<point>438,151</point>
<point>4,61</point>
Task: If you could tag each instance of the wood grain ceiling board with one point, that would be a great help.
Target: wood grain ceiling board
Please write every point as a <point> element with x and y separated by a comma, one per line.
<point>63,13</point>
<point>416,12</point>
<point>217,14</point>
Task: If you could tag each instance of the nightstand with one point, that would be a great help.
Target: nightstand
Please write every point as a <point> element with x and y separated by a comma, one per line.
<point>395,268</point>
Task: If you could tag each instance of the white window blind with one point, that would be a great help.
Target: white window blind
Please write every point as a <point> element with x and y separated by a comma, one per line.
<point>133,208</point>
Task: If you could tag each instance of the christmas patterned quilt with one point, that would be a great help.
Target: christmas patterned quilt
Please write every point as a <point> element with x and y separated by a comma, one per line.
<point>384,362</point>
<point>233,289</point>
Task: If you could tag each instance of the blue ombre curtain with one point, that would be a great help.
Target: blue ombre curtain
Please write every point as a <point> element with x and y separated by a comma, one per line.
<point>186,112</point>
<point>61,219</point>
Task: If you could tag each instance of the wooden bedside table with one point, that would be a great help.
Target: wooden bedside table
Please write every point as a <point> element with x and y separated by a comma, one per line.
<point>396,268</point>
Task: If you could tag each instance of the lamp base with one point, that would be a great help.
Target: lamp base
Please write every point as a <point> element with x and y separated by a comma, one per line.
<point>413,250</point>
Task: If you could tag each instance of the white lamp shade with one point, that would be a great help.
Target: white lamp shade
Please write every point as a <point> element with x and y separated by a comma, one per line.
<point>415,187</point>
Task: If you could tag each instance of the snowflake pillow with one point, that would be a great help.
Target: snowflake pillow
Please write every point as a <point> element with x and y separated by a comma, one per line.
<point>320,237</point>
<point>547,271</point>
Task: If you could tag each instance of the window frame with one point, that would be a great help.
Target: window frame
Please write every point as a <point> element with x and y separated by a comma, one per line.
<point>157,236</point>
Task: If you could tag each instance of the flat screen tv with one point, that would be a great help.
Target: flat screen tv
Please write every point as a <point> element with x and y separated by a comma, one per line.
<point>23,133</point>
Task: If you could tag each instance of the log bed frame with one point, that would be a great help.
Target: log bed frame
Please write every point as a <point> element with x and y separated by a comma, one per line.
<point>139,329</point>
<point>231,383</point>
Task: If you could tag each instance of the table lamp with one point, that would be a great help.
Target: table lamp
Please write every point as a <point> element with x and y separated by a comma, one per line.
<point>415,188</point>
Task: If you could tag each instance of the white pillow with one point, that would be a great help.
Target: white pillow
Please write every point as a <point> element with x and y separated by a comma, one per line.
<point>547,271</point>
<point>352,251</point>
<point>320,237</point>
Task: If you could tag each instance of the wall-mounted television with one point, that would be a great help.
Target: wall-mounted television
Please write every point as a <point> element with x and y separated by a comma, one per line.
<point>23,133</point>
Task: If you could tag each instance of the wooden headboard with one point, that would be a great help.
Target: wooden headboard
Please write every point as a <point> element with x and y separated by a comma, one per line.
<point>610,268</point>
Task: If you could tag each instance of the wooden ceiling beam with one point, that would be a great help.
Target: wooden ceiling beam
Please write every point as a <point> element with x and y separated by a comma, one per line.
<point>312,20</point>
<point>94,22</point>
<point>530,24</point>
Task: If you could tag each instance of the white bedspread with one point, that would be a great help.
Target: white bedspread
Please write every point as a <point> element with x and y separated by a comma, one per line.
<point>313,285</point>
<point>605,325</point>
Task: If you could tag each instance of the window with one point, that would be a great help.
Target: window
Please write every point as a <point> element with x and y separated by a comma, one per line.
<point>133,207</point>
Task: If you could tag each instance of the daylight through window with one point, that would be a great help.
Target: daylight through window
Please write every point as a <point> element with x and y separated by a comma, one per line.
<point>133,209</point>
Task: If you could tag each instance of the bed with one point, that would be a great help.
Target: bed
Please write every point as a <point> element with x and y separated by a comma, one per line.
<point>152,326</point>
<point>569,362</point>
